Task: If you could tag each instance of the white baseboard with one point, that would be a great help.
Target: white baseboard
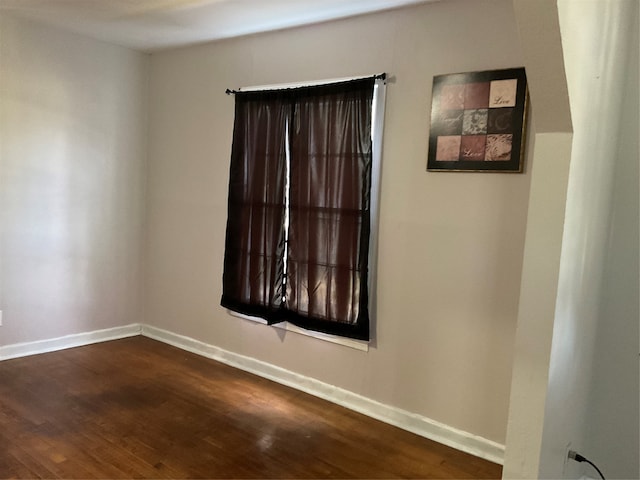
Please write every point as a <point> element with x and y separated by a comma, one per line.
<point>418,424</point>
<point>69,341</point>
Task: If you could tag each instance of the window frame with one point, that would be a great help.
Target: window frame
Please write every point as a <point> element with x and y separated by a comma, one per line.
<point>377,130</point>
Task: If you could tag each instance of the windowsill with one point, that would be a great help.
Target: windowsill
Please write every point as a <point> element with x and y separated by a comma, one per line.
<point>347,342</point>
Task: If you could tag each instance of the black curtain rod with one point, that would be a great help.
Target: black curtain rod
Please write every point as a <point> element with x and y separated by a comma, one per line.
<point>379,76</point>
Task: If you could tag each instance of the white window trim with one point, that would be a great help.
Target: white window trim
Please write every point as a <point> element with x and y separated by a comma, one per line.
<point>377,129</point>
<point>309,83</point>
<point>289,327</point>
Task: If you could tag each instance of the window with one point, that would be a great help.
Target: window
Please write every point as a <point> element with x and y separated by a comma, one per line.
<point>299,214</point>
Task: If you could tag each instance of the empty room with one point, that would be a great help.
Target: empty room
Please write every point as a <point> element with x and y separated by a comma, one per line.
<point>303,239</point>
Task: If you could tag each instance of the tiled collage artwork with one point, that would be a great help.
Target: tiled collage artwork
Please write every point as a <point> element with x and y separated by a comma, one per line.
<point>476,121</point>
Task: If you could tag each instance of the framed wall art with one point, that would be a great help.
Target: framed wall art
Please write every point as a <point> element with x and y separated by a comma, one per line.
<point>478,121</point>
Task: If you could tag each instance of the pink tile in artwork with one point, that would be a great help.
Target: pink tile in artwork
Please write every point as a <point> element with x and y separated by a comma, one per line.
<point>472,147</point>
<point>476,95</point>
<point>452,97</point>
<point>503,93</point>
<point>498,147</point>
<point>448,148</point>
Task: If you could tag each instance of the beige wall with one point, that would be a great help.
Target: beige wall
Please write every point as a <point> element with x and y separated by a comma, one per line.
<point>451,245</point>
<point>72,160</point>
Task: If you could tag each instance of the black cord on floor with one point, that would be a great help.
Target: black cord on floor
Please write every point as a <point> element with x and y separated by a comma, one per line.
<point>579,458</point>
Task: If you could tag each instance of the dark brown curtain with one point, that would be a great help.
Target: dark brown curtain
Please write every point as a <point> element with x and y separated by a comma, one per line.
<point>253,261</point>
<point>325,284</point>
<point>329,213</point>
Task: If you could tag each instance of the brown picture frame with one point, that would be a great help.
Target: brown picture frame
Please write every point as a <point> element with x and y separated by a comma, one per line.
<point>478,122</point>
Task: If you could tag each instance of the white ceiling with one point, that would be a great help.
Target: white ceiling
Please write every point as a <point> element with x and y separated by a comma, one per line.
<point>149,25</point>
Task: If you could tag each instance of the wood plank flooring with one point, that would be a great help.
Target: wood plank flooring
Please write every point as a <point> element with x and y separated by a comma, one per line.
<point>137,408</point>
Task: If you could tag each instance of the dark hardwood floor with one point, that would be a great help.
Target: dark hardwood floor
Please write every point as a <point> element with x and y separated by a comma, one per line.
<point>137,408</point>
